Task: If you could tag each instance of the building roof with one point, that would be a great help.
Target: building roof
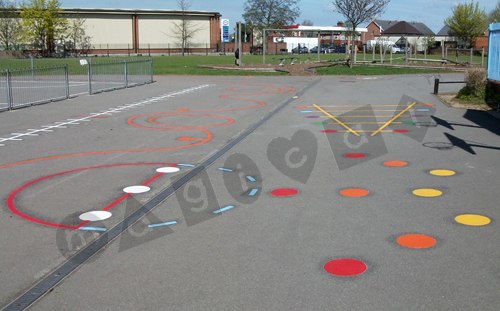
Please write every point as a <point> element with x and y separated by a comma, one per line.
<point>112,11</point>
<point>445,31</point>
<point>403,27</point>
<point>384,24</point>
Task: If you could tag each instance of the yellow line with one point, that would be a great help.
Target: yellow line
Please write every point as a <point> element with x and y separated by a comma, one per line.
<point>355,123</point>
<point>374,105</point>
<point>337,111</point>
<point>362,131</point>
<point>393,119</point>
<point>336,120</point>
<point>374,117</point>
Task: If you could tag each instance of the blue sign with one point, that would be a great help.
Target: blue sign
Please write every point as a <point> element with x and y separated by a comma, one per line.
<point>225,30</point>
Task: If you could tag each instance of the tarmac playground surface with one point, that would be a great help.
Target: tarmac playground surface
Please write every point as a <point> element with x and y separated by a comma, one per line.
<point>251,193</point>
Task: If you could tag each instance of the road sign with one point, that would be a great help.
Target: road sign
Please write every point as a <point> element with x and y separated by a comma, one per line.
<point>225,30</point>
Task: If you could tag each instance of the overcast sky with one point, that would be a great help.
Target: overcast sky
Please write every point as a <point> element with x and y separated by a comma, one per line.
<point>320,12</point>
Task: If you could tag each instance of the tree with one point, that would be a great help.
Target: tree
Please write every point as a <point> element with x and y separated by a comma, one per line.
<point>10,26</point>
<point>495,14</point>
<point>270,13</point>
<point>467,22</point>
<point>42,24</point>
<point>307,22</point>
<point>184,30</point>
<point>77,38</point>
<point>357,12</point>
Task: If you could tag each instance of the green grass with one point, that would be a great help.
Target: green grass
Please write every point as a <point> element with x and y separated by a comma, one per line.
<point>190,65</point>
<point>372,70</point>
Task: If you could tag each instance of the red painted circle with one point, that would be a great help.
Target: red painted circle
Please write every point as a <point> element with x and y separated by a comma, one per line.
<point>345,267</point>
<point>329,131</point>
<point>401,131</point>
<point>355,155</point>
<point>284,192</point>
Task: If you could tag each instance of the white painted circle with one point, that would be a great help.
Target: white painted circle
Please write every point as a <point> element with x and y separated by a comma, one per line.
<point>136,189</point>
<point>95,216</point>
<point>168,170</point>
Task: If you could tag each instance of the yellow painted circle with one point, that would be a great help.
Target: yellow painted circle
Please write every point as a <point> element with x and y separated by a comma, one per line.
<point>427,193</point>
<point>472,220</point>
<point>442,173</point>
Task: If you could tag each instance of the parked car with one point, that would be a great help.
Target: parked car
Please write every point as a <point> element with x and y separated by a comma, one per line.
<point>331,49</point>
<point>300,49</point>
<point>321,50</point>
<point>340,49</point>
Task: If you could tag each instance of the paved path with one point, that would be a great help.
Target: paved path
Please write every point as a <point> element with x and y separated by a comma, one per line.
<point>271,193</point>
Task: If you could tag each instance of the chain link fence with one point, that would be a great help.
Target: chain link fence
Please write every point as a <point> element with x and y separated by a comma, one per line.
<point>107,75</point>
<point>26,87</point>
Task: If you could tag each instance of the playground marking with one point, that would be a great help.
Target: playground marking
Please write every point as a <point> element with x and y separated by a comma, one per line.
<point>416,241</point>
<point>393,119</point>
<point>427,193</point>
<point>345,267</point>
<point>59,125</point>
<point>442,173</point>
<point>336,120</point>
<point>473,220</point>
<point>95,216</point>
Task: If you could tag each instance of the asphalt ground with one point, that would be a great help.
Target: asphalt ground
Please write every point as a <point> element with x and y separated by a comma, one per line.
<point>352,234</point>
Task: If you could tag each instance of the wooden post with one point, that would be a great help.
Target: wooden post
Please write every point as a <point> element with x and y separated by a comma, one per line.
<point>471,54</point>
<point>482,57</point>
<point>364,53</point>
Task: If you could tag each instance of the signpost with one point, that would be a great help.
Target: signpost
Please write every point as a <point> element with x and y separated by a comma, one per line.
<point>225,30</point>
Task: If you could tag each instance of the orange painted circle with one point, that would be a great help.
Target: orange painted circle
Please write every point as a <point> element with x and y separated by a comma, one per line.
<point>395,163</point>
<point>416,241</point>
<point>354,192</point>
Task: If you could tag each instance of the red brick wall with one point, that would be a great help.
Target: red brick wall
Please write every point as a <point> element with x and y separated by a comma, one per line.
<point>373,32</point>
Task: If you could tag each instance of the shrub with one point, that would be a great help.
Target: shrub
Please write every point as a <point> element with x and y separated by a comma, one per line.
<point>475,80</point>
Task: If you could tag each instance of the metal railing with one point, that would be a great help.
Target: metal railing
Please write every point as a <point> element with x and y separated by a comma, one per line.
<point>26,87</point>
<point>118,74</point>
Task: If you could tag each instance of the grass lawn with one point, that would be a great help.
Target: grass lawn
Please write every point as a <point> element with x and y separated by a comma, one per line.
<point>190,65</point>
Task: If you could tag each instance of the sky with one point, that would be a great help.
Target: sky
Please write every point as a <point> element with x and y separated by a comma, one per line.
<point>320,12</point>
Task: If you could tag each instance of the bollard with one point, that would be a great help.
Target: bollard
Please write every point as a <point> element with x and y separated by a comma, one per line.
<point>436,86</point>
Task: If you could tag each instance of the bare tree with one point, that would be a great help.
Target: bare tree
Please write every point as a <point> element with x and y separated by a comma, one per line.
<point>185,29</point>
<point>357,12</point>
<point>10,26</point>
<point>78,41</point>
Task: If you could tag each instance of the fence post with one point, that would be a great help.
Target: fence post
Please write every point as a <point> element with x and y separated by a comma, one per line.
<point>471,54</point>
<point>436,86</point>
<point>9,89</point>
<point>126,73</point>
<point>89,63</point>
<point>482,57</point>
<point>151,69</point>
<point>66,75</point>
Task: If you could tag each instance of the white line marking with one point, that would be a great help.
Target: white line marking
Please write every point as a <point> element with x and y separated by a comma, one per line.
<point>57,125</point>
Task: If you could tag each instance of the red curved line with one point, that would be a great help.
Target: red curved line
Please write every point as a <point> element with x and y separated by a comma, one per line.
<point>70,155</point>
<point>12,207</point>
